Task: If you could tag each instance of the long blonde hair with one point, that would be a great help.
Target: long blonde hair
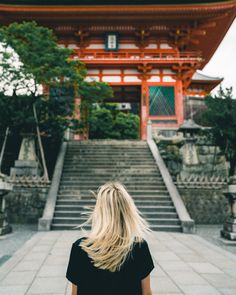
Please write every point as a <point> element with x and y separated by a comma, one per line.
<point>116,225</point>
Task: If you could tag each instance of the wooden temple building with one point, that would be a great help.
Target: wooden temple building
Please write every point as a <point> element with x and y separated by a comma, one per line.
<point>148,51</point>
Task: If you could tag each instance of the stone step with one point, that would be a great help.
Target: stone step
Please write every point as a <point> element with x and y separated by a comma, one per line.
<point>106,142</point>
<point>163,221</point>
<point>87,193</point>
<point>75,214</point>
<point>165,228</point>
<point>116,157</point>
<point>136,168</point>
<point>78,157</point>
<point>95,184</point>
<point>153,221</point>
<point>111,173</point>
<point>105,175</point>
<point>127,164</point>
<point>90,164</point>
<point>109,149</point>
<point>135,198</point>
<point>96,155</point>
<point>111,168</point>
<point>100,179</point>
<point>89,182</point>
<point>90,202</point>
<point>129,187</point>
<point>152,209</point>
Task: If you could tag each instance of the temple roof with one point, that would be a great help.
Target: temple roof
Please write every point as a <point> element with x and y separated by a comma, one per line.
<point>106,2</point>
<point>197,25</point>
<point>204,82</point>
<point>200,77</point>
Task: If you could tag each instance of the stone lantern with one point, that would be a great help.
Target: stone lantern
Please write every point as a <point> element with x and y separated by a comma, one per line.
<point>189,152</point>
<point>229,228</point>
<point>189,129</point>
<point>5,188</point>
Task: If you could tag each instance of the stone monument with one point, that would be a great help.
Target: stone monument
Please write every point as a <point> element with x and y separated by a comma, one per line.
<point>27,163</point>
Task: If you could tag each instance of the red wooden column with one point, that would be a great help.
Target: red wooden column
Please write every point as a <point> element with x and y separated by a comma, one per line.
<point>179,102</point>
<point>144,70</point>
<point>143,109</point>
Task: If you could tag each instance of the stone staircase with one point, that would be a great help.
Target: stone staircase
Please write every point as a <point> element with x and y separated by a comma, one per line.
<point>90,164</point>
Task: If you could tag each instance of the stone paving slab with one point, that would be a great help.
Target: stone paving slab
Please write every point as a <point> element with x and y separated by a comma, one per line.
<point>184,264</point>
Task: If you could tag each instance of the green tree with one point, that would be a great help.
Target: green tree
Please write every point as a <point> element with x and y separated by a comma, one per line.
<point>31,53</point>
<point>92,93</point>
<point>107,122</point>
<point>221,116</point>
<point>100,124</point>
<point>30,58</point>
<point>126,126</point>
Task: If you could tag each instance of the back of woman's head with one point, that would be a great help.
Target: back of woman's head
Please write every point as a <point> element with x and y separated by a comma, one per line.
<point>116,225</point>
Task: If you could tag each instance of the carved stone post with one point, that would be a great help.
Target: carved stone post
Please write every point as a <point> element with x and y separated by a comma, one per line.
<point>229,229</point>
<point>149,130</point>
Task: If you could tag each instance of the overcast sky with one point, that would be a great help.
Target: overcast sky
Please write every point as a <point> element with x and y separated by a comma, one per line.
<point>223,62</point>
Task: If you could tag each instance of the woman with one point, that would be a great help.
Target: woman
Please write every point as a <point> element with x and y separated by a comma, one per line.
<point>114,258</point>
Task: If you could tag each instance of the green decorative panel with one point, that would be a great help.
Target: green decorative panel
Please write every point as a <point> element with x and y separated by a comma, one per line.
<point>161,101</point>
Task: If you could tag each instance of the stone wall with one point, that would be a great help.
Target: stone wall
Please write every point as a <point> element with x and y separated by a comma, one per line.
<point>206,206</point>
<point>26,204</point>
<point>204,158</point>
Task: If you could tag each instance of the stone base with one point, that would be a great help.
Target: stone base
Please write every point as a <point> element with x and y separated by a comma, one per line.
<point>26,204</point>
<point>188,227</point>
<point>5,230</point>
<point>228,235</point>
<point>227,242</point>
<point>230,225</point>
<point>25,168</point>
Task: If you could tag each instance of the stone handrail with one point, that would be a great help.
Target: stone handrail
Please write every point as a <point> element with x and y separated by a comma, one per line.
<point>44,223</point>
<point>187,223</point>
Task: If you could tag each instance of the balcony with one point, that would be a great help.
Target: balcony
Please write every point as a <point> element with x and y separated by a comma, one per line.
<point>138,57</point>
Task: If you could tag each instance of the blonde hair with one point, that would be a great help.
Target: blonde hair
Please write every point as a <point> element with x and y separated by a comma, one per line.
<point>116,225</point>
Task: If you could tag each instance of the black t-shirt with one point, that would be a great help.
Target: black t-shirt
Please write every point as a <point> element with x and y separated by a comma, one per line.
<point>92,280</point>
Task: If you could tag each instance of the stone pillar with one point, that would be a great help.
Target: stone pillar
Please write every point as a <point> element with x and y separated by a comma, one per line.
<point>149,130</point>
<point>229,228</point>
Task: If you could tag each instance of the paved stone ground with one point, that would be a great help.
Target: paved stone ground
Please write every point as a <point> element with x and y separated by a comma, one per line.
<point>211,233</point>
<point>185,264</point>
<point>10,243</point>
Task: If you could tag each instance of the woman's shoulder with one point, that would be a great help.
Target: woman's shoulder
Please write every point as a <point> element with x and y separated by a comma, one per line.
<point>140,243</point>
<point>78,241</point>
<point>140,246</point>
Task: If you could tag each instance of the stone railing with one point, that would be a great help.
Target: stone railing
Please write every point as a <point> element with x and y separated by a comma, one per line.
<point>188,225</point>
<point>44,223</point>
<point>28,181</point>
<point>201,182</point>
